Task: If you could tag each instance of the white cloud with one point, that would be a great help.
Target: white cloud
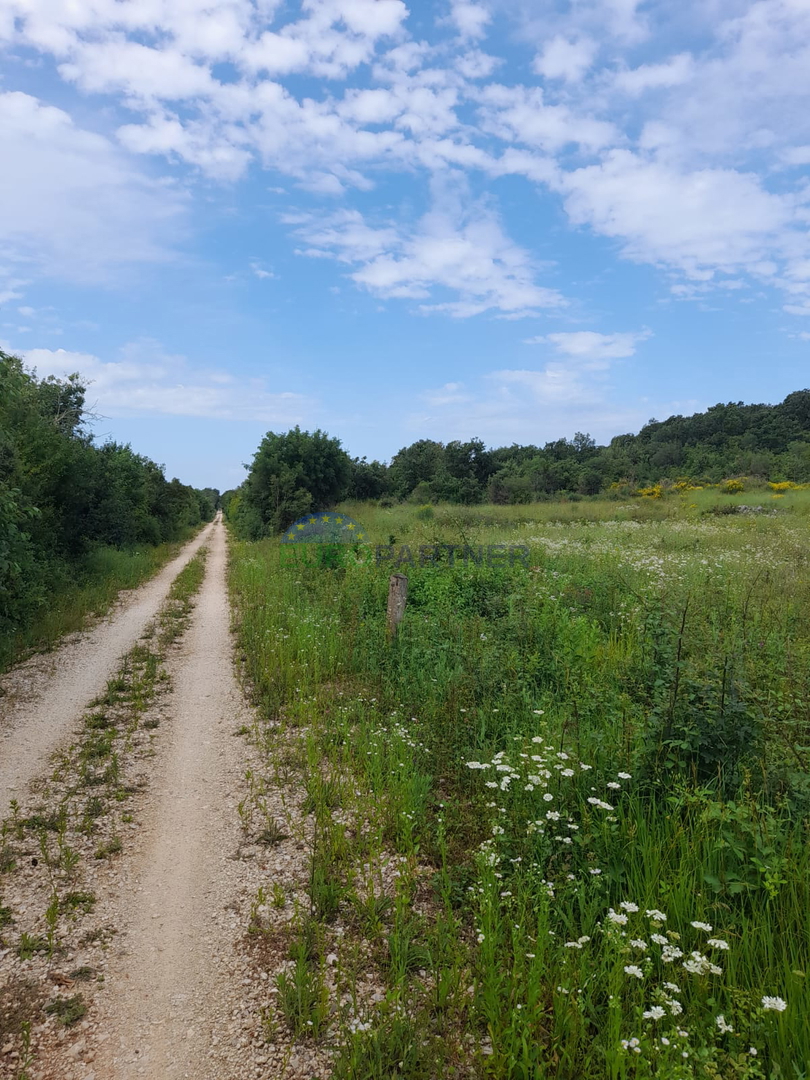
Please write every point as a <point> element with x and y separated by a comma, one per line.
<point>673,72</point>
<point>517,113</point>
<point>470,19</point>
<point>564,59</point>
<point>260,272</point>
<point>685,160</point>
<point>145,381</point>
<point>700,222</point>
<point>73,205</point>
<point>592,348</point>
<point>456,248</point>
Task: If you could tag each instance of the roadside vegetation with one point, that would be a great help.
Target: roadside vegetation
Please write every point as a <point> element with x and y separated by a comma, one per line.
<point>78,520</point>
<point>559,824</point>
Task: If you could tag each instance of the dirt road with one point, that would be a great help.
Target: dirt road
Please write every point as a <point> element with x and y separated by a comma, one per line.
<point>45,696</point>
<point>168,989</point>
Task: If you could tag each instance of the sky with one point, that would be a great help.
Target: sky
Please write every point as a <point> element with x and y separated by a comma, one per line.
<point>510,219</point>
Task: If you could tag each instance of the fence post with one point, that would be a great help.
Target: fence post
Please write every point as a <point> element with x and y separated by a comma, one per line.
<point>397,598</point>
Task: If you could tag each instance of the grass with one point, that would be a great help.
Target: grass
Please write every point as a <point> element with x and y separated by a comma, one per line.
<point>574,763</point>
<point>89,590</point>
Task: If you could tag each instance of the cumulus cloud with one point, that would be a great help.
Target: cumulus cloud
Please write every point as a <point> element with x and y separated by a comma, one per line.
<point>144,380</point>
<point>470,18</point>
<point>454,248</point>
<point>700,222</point>
<point>564,59</point>
<point>595,350</point>
<point>689,160</point>
<point>74,205</point>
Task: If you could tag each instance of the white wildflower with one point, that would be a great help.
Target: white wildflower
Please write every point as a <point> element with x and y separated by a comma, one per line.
<point>655,1013</point>
<point>655,915</point>
<point>717,943</point>
<point>776,1004</point>
<point>702,926</point>
<point>633,969</point>
<point>723,1025</point>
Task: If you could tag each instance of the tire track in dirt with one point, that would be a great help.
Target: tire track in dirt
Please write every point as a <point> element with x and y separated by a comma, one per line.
<point>168,989</point>
<point>46,694</point>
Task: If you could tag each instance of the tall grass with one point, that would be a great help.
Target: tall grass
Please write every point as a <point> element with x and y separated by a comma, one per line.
<point>584,759</point>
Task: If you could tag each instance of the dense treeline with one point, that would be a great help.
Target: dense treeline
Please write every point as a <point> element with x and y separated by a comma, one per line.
<point>62,496</point>
<point>297,472</point>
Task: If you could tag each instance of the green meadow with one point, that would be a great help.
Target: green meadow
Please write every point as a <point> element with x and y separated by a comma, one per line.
<point>591,774</point>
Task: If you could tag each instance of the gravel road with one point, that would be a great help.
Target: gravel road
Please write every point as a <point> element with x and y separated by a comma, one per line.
<point>44,697</point>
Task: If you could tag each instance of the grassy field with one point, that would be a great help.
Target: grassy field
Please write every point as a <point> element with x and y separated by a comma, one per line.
<point>591,775</point>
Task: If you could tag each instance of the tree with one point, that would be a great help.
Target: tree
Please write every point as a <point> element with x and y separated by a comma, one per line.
<point>290,475</point>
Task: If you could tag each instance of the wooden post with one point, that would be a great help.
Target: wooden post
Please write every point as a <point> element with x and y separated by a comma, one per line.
<point>397,598</point>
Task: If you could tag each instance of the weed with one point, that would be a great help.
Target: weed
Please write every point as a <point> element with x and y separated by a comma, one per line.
<point>113,846</point>
<point>68,1011</point>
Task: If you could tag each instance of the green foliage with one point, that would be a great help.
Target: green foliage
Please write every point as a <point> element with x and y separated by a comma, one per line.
<point>64,500</point>
<point>291,474</point>
<point>622,725</point>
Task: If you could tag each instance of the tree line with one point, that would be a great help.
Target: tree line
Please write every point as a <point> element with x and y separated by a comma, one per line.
<point>63,496</point>
<point>299,471</point>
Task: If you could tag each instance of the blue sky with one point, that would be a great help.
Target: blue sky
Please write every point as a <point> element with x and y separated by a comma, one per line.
<point>393,221</point>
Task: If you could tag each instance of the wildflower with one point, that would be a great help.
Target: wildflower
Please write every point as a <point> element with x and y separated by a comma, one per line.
<point>598,802</point>
<point>628,905</point>
<point>538,712</point>
<point>567,772</point>
<point>670,953</point>
<point>552,815</point>
<point>674,1006</point>
<point>702,926</point>
<point>664,1040</point>
<point>672,987</point>
<point>476,765</point>
<point>633,969</point>
<point>573,945</point>
<point>655,1013</point>
<point>723,1025</point>
<point>638,944</point>
<point>562,755</point>
<point>594,870</point>
<point>717,943</point>
<point>617,917</point>
<point>530,955</point>
<point>548,797</point>
<point>614,786</point>
<point>752,1050</point>
<point>481,937</point>
<point>655,915</point>
<point>624,776</point>
<point>659,939</point>
<point>582,765</point>
<point>777,1004</point>
<point>631,1044</point>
